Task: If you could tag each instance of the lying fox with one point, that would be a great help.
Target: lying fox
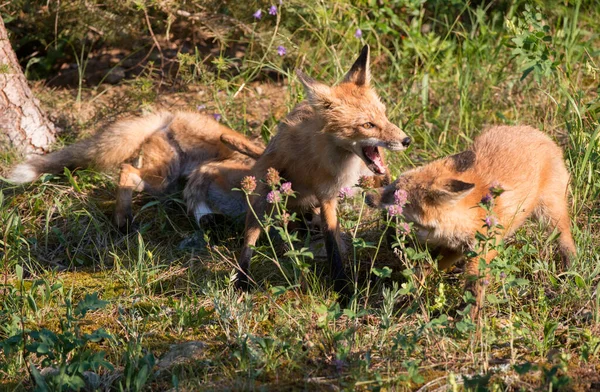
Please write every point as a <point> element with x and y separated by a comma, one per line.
<point>443,195</point>
<point>153,151</point>
<point>321,147</point>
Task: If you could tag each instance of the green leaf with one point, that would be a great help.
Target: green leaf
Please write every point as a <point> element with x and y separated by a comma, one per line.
<point>384,272</point>
<point>278,290</point>
<point>90,302</point>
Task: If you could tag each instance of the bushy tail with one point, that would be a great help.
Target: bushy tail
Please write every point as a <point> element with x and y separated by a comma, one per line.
<point>104,150</point>
<point>242,144</point>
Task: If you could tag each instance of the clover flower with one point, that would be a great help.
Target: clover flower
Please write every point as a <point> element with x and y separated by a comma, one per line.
<point>366,182</point>
<point>400,197</point>
<point>490,221</point>
<point>346,193</point>
<point>273,197</point>
<point>394,210</point>
<point>286,188</point>
<point>248,184</point>
<point>272,177</point>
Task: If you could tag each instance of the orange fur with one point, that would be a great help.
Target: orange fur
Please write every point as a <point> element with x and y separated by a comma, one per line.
<point>443,196</point>
<point>322,146</point>
<point>154,152</point>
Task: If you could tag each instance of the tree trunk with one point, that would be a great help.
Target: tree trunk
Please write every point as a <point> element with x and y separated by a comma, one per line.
<point>23,125</point>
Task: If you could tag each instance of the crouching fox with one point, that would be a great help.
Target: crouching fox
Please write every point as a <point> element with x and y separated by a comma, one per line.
<point>443,196</point>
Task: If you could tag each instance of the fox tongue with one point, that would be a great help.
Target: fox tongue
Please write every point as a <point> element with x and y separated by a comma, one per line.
<point>372,152</point>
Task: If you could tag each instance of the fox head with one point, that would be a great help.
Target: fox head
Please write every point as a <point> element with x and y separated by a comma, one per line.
<point>354,115</point>
<point>431,190</point>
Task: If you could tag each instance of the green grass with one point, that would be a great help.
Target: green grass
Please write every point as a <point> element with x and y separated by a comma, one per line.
<point>446,71</point>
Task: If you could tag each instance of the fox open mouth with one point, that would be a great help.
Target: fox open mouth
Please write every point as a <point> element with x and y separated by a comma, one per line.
<point>373,159</point>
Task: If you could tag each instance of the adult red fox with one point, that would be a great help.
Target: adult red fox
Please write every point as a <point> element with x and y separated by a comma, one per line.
<point>320,147</point>
<point>443,196</point>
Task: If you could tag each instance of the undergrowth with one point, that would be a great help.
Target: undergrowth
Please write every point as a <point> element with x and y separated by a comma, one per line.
<point>83,305</point>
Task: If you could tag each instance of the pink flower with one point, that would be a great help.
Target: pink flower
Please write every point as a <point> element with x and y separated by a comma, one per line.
<point>258,14</point>
<point>272,177</point>
<point>217,116</point>
<point>286,188</point>
<point>394,210</point>
<point>404,227</point>
<point>346,193</point>
<point>400,197</point>
<point>273,10</point>
<point>281,50</point>
<point>248,184</point>
<point>490,221</point>
<point>358,33</point>
<point>274,197</point>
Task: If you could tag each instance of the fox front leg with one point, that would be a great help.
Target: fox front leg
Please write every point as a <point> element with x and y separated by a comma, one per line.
<point>251,235</point>
<point>475,283</point>
<point>331,232</point>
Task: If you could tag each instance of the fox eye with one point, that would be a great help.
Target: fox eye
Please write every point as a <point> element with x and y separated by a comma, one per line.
<point>368,125</point>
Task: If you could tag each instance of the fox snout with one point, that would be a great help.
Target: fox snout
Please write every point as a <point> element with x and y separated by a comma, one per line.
<point>398,140</point>
<point>373,199</point>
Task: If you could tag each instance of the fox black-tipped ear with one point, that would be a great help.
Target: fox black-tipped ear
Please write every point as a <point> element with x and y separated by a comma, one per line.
<point>450,190</point>
<point>458,186</point>
<point>360,73</point>
<point>318,94</point>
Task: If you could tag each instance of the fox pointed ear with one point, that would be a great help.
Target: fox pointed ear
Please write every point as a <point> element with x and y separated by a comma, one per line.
<point>458,189</point>
<point>360,73</point>
<point>318,94</point>
<point>450,190</point>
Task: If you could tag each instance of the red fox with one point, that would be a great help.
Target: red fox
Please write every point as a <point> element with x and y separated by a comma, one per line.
<point>320,147</point>
<point>153,151</point>
<point>443,196</point>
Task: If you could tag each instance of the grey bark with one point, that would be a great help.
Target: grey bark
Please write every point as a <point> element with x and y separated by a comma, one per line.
<point>23,125</point>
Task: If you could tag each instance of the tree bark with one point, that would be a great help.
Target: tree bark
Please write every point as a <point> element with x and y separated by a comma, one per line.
<point>23,125</point>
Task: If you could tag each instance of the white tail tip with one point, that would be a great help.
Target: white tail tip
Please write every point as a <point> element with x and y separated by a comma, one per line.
<point>23,173</point>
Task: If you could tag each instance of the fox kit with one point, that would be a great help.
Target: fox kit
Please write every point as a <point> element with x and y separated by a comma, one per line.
<point>153,151</point>
<point>443,195</point>
<point>321,146</point>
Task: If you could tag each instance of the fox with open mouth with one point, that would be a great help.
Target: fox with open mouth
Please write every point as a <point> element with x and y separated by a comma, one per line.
<point>320,147</point>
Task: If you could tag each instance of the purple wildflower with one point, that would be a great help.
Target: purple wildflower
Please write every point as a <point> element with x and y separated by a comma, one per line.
<point>273,197</point>
<point>200,107</point>
<point>258,14</point>
<point>281,50</point>
<point>394,210</point>
<point>358,33</point>
<point>248,184</point>
<point>404,227</point>
<point>217,116</point>
<point>487,199</point>
<point>273,10</point>
<point>286,188</point>
<point>496,189</point>
<point>490,221</point>
<point>346,193</point>
<point>400,197</point>
<point>486,282</point>
<point>502,275</point>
